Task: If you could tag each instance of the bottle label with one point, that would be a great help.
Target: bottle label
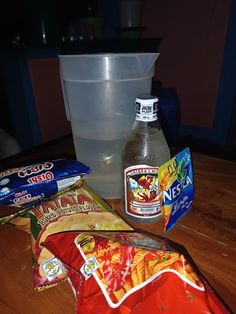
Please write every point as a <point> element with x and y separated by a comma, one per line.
<point>141,191</point>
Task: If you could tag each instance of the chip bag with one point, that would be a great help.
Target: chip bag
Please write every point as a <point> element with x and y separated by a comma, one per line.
<point>72,209</point>
<point>50,197</point>
<point>23,187</point>
<point>132,272</point>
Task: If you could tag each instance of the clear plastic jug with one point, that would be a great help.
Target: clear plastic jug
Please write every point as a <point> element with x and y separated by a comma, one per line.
<point>99,94</point>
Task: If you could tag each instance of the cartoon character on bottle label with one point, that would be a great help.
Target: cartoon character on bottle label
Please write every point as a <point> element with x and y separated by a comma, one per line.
<point>141,189</point>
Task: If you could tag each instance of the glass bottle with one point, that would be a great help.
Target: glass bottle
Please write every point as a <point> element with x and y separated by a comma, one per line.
<point>144,151</point>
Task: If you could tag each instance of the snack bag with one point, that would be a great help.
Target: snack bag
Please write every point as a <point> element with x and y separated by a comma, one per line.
<point>176,188</point>
<point>131,272</point>
<point>75,208</point>
<point>25,186</point>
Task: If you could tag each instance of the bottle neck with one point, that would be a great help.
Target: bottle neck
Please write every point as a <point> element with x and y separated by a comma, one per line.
<point>140,124</point>
<point>146,118</point>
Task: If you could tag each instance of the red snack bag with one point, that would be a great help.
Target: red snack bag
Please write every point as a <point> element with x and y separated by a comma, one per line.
<point>131,272</point>
<point>72,209</point>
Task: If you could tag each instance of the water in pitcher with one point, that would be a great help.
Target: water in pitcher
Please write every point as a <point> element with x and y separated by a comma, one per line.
<point>104,159</point>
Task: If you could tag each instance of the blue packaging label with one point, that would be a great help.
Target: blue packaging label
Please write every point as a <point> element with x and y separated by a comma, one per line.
<point>176,187</point>
<point>25,185</point>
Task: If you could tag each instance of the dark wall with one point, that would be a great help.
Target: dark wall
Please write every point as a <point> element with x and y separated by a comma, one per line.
<point>5,120</point>
<point>24,18</point>
<point>11,20</point>
<point>197,57</point>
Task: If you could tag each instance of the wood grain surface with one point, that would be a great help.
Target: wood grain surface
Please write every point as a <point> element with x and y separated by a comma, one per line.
<point>208,233</point>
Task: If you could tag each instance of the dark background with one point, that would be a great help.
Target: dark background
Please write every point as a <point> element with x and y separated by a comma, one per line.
<point>22,18</point>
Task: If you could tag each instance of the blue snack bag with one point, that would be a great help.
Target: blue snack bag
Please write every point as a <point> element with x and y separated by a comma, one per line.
<point>176,188</point>
<point>27,185</point>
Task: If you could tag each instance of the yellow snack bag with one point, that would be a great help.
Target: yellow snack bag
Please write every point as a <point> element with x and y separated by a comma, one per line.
<point>77,208</point>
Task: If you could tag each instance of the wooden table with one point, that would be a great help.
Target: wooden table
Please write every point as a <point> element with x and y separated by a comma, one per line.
<point>208,232</point>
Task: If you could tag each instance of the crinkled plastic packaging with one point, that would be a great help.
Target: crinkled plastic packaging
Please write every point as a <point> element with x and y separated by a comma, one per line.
<point>23,186</point>
<point>50,197</point>
<point>132,272</point>
<point>176,188</point>
<point>75,208</point>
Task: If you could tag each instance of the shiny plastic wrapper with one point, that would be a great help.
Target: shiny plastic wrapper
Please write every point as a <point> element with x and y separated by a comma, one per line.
<point>74,208</point>
<point>176,188</point>
<point>23,186</point>
<point>132,272</point>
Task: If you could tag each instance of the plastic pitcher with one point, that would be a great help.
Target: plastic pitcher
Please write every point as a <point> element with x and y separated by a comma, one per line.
<point>99,94</point>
